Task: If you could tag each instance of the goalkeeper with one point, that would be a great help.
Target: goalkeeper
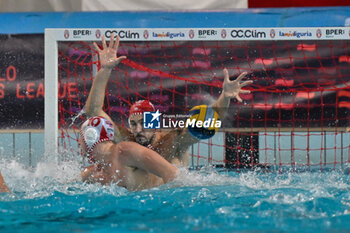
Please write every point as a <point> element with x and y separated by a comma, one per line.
<point>172,145</point>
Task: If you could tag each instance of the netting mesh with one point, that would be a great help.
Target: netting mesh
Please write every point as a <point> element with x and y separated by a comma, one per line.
<point>296,115</point>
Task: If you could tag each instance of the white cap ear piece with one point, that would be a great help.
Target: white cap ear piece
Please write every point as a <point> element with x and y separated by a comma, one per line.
<point>90,136</point>
<point>96,130</point>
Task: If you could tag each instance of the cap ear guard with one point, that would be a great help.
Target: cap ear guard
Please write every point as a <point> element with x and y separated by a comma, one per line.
<point>90,136</point>
<point>96,130</point>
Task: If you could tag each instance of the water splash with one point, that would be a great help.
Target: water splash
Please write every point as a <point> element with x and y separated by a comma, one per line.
<point>62,175</point>
<point>195,200</point>
<point>74,118</point>
<point>207,176</point>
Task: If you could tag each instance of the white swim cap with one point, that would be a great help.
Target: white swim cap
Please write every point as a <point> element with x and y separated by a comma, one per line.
<point>96,130</point>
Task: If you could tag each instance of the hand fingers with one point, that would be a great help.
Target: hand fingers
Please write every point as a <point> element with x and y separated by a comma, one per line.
<point>97,48</point>
<point>239,99</point>
<point>116,45</point>
<point>104,44</point>
<point>111,41</point>
<point>226,76</point>
<point>119,59</point>
<point>241,76</point>
<point>244,91</point>
<point>246,83</point>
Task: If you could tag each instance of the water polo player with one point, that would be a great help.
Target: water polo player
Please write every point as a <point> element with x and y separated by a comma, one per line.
<point>128,164</point>
<point>173,145</point>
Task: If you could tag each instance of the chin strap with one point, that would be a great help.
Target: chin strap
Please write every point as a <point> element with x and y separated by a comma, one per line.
<point>149,146</point>
<point>90,159</point>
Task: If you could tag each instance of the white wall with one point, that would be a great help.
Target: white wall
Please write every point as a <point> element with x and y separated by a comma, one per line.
<point>118,5</point>
<point>39,5</point>
<point>155,5</point>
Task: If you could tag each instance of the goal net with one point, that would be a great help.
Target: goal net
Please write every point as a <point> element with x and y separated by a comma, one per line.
<point>295,117</point>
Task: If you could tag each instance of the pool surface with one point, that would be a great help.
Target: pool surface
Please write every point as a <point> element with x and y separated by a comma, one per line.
<point>47,199</point>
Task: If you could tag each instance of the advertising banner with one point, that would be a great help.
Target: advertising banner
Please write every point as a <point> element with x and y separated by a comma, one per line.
<point>21,81</point>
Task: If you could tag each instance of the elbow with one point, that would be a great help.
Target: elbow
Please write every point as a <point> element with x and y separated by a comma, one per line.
<point>171,174</point>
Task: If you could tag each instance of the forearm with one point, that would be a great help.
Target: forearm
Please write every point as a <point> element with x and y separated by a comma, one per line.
<point>134,155</point>
<point>186,139</point>
<point>156,164</point>
<point>221,105</point>
<point>86,174</point>
<point>94,103</point>
<point>92,174</point>
<point>174,144</point>
<point>96,97</point>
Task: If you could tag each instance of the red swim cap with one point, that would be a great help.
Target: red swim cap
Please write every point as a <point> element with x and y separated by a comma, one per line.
<point>96,130</point>
<point>141,106</point>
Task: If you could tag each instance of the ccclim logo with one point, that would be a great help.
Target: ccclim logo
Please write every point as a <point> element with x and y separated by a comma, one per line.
<point>248,34</point>
<point>122,34</point>
<point>151,120</point>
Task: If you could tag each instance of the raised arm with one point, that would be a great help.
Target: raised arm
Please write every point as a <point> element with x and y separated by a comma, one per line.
<point>231,89</point>
<point>108,60</point>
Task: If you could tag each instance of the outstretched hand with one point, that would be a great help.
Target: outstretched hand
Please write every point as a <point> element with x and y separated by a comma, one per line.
<point>108,55</point>
<point>232,89</point>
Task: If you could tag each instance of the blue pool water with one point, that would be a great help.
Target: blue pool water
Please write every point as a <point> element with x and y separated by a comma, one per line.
<point>46,199</point>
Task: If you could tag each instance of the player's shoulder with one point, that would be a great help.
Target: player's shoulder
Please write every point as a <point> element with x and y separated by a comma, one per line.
<point>170,137</point>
